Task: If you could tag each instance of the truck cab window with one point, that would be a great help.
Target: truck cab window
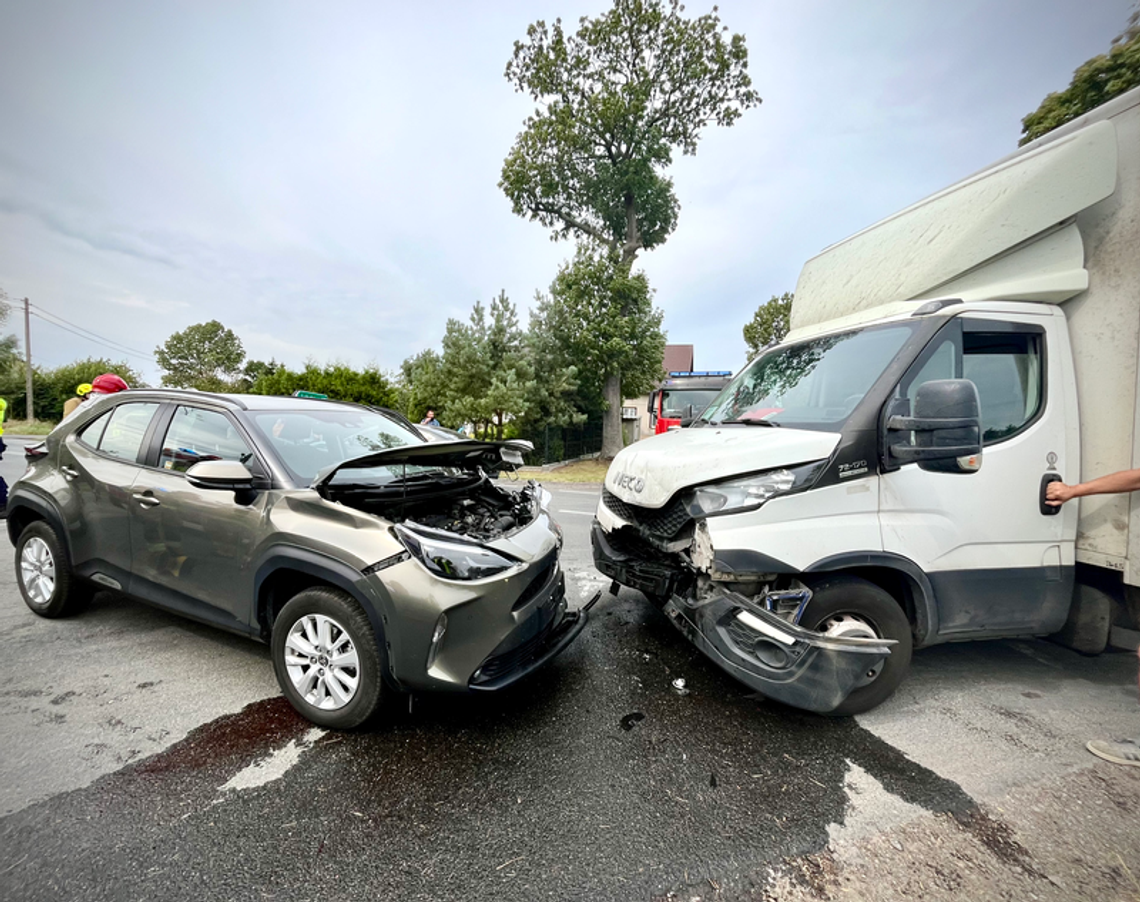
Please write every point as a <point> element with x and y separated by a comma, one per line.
<point>1005,366</point>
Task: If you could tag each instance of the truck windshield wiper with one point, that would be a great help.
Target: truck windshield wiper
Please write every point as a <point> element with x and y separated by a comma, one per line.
<point>741,422</point>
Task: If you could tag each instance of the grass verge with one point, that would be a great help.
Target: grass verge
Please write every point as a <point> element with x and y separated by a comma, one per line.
<point>578,471</point>
<point>24,427</point>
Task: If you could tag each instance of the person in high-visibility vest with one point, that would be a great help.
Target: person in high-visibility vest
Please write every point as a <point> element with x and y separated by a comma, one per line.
<point>3,448</point>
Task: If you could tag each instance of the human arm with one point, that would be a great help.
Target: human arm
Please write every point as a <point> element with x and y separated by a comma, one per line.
<point>1057,493</point>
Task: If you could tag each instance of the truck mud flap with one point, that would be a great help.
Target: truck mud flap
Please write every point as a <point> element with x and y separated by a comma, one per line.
<point>781,660</point>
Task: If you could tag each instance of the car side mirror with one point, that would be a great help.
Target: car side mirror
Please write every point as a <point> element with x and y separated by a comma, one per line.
<point>224,476</point>
<point>947,428</point>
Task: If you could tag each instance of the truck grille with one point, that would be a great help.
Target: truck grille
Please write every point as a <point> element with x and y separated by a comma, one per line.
<point>664,522</point>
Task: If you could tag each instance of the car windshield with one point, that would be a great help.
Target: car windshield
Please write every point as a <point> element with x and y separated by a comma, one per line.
<point>309,440</point>
<point>811,384</point>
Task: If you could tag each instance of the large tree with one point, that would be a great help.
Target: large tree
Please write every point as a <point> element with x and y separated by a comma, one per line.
<point>617,99</point>
<point>769,323</point>
<point>599,319</point>
<point>421,386</point>
<point>487,374</point>
<point>1097,81</point>
<point>206,356</point>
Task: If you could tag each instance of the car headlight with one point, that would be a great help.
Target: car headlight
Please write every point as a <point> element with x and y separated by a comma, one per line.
<point>751,491</point>
<point>453,560</point>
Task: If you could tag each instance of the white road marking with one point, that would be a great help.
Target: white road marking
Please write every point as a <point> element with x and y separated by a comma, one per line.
<point>275,765</point>
<point>579,513</point>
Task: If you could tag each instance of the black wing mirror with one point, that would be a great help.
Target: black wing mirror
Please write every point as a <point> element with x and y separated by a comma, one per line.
<point>947,428</point>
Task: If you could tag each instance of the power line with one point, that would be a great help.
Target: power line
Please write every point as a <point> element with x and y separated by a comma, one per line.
<point>80,331</point>
<point>59,319</point>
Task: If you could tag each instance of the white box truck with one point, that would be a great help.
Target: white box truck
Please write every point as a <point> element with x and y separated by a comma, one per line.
<point>876,483</point>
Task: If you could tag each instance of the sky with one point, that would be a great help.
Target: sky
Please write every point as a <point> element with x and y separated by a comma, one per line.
<point>322,178</point>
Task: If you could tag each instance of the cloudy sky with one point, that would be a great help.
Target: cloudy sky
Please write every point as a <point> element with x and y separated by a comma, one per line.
<point>322,177</point>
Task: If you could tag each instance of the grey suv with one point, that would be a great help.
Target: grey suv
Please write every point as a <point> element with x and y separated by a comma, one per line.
<point>372,561</point>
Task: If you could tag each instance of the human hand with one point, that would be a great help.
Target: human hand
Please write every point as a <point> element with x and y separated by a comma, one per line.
<point>1057,493</point>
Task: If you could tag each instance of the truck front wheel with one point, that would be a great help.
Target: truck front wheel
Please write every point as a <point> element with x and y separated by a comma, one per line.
<point>849,606</point>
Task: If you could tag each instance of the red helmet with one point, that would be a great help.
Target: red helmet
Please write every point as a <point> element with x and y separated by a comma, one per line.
<point>108,384</point>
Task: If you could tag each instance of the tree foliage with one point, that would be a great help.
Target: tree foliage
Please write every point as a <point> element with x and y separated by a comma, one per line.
<point>769,324</point>
<point>207,356</point>
<point>600,320</point>
<point>488,374</point>
<point>421,386</point>
<point>1099,80</point>
<point>337,380</point>
<point>617,98</point>
<point>52,387</point>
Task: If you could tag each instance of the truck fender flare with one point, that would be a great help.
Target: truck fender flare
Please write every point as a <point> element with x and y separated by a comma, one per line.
<point>925,605</point>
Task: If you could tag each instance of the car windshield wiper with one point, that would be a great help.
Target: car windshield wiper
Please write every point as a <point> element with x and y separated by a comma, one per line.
<point>741,422</point>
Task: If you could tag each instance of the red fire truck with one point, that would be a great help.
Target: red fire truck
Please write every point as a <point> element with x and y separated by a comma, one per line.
<point>683,396</point>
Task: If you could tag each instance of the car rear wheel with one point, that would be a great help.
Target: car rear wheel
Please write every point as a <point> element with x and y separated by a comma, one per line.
<point>44,575</point>
<point>327,659</point>
<point>849,606</point>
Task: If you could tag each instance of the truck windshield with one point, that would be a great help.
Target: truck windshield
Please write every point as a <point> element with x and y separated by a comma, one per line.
<point>816,382</point>
<point>686,403</point>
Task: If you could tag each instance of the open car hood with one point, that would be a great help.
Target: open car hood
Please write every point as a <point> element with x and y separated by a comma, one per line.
<point>465,455</point>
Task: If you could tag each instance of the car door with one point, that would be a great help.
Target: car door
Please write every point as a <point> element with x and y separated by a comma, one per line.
<point>193,546</point>
<point>997,563</point>
<point>100,462</point>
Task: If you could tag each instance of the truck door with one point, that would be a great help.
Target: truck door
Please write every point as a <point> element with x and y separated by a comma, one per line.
<point>997,564</point>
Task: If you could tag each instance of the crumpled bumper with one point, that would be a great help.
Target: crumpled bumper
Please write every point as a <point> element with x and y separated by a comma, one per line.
<point>783,661</point>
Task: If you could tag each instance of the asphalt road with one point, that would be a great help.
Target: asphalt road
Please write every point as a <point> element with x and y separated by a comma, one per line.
<point>143,756</point>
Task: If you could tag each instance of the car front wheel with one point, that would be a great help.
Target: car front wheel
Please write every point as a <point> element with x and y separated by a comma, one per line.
<point>44,574</point>
<point>327,659</point>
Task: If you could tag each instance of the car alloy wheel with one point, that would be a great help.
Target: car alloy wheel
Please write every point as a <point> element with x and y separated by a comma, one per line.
<point>37,567</point>
<point>322,662</point>
<point>327,658</point>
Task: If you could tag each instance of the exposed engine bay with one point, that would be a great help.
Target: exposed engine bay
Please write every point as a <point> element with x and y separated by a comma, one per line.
<point>471,506</point>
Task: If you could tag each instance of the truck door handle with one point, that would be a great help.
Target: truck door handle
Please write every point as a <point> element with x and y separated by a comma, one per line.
<point>1047,509</point>
<point>68,472</point>
<point>146,499</point>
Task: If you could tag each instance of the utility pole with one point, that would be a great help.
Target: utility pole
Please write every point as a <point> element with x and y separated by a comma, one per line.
<point>31,412</point>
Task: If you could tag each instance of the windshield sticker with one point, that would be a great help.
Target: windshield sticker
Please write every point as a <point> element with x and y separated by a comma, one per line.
<point>855,468</point>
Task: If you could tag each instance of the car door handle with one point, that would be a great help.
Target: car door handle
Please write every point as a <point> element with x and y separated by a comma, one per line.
<point>146,499</point>
<point>68,472</point>
<point>1047,509</point>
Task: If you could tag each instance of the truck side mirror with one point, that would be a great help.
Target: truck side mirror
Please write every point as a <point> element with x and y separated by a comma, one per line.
<point>947,427</point>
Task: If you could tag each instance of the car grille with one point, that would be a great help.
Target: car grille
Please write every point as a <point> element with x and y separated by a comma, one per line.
<point>542,574</point>
<point>664,522</point>
<point>508,661</point>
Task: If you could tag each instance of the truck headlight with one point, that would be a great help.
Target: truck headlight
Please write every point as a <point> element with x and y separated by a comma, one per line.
<point>751,491</point>
<point>453,560</point>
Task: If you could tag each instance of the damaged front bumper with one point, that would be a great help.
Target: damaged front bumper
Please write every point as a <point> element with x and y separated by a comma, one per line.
<point>782,660</point>
<point>778,658</point>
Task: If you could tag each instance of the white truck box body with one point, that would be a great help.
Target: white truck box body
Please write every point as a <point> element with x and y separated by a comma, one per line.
<point>1057,222</point>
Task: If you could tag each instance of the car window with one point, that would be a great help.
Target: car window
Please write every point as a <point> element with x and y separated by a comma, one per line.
<point>93,431</point>
<point>195,435</point>
<point>123,436</point>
